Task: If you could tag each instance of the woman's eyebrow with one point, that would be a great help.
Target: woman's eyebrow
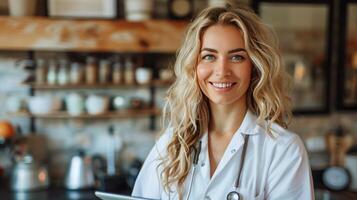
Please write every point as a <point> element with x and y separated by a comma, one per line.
<point>230,51</point>
<point>209,49</point>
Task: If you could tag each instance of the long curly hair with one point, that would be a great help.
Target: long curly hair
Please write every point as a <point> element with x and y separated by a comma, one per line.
<point>186,110</point>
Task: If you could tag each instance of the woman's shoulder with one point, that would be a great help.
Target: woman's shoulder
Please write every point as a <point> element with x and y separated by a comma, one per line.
<point>163,140</point>
<point>280,137</point>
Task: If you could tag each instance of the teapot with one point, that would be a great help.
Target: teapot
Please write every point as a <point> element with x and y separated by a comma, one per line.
<point>79,173</point>
<point>28,176</point>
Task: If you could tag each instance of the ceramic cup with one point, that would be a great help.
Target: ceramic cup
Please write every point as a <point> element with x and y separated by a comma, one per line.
<point>22,7</point>
<point>143,75</point>
<point>96,105</point>
<point>138,10</point>
<point>14,104</point>
<point>75,104</point>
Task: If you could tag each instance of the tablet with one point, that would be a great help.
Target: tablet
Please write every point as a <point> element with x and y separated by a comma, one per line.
<point>111,196</point>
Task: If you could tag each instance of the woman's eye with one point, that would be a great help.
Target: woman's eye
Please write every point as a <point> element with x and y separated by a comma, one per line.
<point>208,57</point>
<point>237,58</point>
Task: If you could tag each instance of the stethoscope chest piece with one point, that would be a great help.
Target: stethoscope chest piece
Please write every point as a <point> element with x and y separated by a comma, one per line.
<point>233,196</point>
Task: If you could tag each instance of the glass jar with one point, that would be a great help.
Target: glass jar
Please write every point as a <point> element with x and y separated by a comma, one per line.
<point>91,70</point>
<point>41,71</point>
<point>117,75</point>
<point>52,73</point>
<point>76,75</point>
<point>129,71</point>
<point>104,71</point>
<point>63,75</point>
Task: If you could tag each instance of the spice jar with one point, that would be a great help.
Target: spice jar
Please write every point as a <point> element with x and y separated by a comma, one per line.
<point>41,71</point>
<point>52,73</point>
<point>104,71</point>
<point>129,71</point>
<point>76,75</point>
<point>91,70</point>
<point>117,75</point>
<point>63,75</point>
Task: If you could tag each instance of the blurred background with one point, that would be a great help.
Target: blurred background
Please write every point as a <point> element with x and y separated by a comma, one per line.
<point>82,85</point>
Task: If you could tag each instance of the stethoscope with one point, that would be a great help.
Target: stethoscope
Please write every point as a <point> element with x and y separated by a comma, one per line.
<point>233,195</point>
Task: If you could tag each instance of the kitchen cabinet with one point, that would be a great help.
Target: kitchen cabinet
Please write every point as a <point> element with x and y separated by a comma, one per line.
<point>151,40</point>
<point>304,31</point>
<point>347,57</point>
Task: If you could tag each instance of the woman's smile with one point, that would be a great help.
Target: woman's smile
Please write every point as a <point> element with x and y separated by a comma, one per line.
<point>222,86</point>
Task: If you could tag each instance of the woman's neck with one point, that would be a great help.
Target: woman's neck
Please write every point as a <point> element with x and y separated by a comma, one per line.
<point>226,119</point>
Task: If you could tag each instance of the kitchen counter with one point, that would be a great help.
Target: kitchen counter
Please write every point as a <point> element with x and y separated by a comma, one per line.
<point>62,194</point>
<point>50,194</point>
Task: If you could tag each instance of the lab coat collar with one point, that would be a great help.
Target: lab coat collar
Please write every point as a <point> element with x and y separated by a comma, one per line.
<point>249,126</point>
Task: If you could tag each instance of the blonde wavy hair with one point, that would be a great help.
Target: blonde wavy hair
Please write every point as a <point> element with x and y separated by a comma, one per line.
<point>187,111</point>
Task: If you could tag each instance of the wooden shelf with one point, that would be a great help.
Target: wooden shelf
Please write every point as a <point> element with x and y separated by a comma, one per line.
<point>128,113</point>
<point>155,83</point>
<point>48,34</point>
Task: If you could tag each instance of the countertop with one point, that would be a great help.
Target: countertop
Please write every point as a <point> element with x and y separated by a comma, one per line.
<point>50,194</point>
<point>62,194</point>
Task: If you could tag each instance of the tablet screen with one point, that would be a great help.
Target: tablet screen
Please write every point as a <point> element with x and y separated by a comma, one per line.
<point>111,196</point>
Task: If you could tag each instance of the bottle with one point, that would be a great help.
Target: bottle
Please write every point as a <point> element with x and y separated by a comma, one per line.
<point>63,76</point>
<point>129,71</point>
<point>76,74</point>
<point>111,157</point>
<point>52,73</point>
<point>117,75</point>
<point>104,71</point>
<point>91,70</point>
<point>41,71</point>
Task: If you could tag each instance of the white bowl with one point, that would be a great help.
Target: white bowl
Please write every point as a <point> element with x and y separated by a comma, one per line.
<point>44,104</point>
<point>96,104</point>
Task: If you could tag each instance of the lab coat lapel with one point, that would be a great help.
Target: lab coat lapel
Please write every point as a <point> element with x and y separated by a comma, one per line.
<point>234,147</point>
<point>249,126</point>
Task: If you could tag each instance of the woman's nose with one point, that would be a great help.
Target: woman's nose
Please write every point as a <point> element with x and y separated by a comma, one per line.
<point>222,68</point>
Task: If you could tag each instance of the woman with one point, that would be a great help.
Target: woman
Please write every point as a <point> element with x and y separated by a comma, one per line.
<point>228,113</point>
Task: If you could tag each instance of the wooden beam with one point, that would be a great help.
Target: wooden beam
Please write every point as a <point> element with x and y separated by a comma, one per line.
<point>48,34</point>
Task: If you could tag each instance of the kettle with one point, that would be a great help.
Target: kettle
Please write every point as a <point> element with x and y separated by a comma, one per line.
<point>28,176</point>
<point>79,173</point>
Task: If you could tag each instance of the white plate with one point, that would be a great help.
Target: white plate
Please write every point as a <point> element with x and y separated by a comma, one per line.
<point>111,196</point>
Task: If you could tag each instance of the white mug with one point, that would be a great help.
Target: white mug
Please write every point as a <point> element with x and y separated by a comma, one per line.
<point>75,104</point>
<point>14,104</point>
<point>143,75</point>
<point>138,10</point>
<point>96,104</point>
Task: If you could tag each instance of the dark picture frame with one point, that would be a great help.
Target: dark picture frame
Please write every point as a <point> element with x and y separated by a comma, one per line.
<point>342,57</point>
<point>327,66</point>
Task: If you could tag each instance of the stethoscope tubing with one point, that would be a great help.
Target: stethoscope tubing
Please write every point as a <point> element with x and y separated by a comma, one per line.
<point>197,152</point>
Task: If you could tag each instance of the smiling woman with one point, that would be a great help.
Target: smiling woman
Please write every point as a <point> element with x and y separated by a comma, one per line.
<point>224,68</point>
<point>228,112</point>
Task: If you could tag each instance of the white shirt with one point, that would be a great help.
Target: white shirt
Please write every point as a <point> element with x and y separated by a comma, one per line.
<point>274,168</point>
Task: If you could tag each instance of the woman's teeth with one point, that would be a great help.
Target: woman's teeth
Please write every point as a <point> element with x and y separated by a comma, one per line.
<point>222,85</point>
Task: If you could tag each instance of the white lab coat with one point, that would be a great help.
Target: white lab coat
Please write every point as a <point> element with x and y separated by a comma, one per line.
<point>274,168</point>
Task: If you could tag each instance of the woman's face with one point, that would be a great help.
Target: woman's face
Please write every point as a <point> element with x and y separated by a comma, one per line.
<point>224,68</point>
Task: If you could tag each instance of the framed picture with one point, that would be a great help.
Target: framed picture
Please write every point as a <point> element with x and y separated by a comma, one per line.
<point>304,32</point>
<point>347,57</point>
